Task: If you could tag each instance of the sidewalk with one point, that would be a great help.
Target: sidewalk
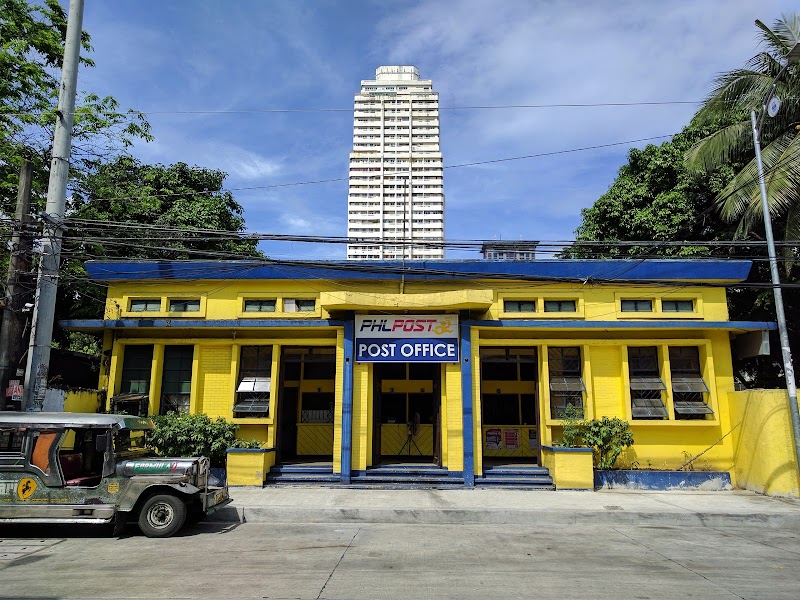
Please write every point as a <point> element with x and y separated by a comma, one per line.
<point>307,504</point>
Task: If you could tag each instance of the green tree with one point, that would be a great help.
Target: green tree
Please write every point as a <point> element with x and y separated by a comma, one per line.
<point>126,209</point>
<point>734,95</point>
<point>656,198</point>
<point>31,51</point>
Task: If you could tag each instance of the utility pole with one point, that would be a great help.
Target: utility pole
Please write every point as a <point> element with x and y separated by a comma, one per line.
<point>12,329</point>
<point>47,283</point>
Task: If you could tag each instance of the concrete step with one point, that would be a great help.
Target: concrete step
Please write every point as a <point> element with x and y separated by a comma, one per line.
<point>300,469</point>
<point>543,483</point>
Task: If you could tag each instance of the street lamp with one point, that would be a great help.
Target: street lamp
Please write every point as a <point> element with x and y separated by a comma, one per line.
<point>769,107</point>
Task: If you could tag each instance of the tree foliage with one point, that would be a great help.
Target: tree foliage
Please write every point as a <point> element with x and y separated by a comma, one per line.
<point>735,94</point>
<point>126,209</point>
<point>106,185</point>
<point>31,51</point>
<point>656,198</point>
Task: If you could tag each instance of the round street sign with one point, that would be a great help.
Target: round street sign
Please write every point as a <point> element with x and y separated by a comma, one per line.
<point>773,106</point>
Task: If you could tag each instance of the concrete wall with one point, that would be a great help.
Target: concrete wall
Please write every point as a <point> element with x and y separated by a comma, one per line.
<point>80,401</point>
<point>764,455</point>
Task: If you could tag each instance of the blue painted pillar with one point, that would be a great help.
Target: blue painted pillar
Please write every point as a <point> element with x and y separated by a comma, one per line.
<point>347,399</point>
<point>466,399</point>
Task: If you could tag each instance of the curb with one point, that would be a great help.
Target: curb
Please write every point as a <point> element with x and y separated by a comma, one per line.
<point>445,516</point>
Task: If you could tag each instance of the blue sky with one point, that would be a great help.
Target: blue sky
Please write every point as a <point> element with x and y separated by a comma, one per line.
<point>170,58</point>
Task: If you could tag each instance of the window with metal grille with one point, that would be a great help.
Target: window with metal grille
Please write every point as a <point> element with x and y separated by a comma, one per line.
<point>299,305</point>
<point>677,305</point>
<point>566,382</point>
<point>255,382</point>
<point>688,385</point>
<point>184,305</point>
<point>560,306</point>
<point>137,363</point>
<point>176,379</point>
<point>636,305</point>
<point>259,305</point>
<point>519,305</point>
<point>646,384</point>
<point>145,305</point>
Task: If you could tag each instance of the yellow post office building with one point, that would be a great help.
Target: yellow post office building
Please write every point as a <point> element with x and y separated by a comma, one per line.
<point>449,372</point>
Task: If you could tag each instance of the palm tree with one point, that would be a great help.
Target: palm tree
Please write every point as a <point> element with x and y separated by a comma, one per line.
<point>735,94</point>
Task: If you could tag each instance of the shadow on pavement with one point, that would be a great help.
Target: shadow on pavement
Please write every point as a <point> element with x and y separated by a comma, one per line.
<point>27,531</point>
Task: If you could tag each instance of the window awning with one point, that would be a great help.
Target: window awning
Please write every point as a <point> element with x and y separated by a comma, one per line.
<point>567,384</point>
<point>692,407</point>
<point>252,406</point>
<point>254,384</point>
<point>647,383</point>
<point>689,383</point>
<point>647,408</point>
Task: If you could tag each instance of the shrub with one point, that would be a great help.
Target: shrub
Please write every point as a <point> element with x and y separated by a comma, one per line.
<point>608,437</point>
<point>179,434</point>
<point>573,427</point>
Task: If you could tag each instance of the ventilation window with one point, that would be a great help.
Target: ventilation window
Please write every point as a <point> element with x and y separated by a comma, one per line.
<point>146,305</point>
<point>677,306</point>
<point>637,306</point>
<point>184,305</point>
<point>259,305</point>
<point>298,305</point>
<point>564,306</point>
<point>519,306</point>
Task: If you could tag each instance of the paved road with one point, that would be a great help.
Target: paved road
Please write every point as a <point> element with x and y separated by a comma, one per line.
<point>370,561</point>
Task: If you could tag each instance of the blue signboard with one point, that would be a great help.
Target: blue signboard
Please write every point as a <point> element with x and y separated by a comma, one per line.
<point>407,338</point>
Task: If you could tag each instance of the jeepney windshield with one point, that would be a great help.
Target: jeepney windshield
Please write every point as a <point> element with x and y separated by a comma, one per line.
<point>129,442</point>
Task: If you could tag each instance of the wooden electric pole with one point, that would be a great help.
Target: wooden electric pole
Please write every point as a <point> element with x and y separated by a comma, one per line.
<point>12,329</point>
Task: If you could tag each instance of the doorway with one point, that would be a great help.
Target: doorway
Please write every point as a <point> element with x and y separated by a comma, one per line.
<point>407,413</point>
<point>305,424</point>
<point>509,406</point>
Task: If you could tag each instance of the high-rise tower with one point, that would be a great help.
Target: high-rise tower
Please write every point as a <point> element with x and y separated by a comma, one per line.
<point>396,191</point>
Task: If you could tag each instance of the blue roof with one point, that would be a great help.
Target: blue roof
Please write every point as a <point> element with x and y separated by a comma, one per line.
<point>598,271</point>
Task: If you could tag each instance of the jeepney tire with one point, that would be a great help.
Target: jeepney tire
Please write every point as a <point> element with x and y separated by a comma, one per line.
<point>162,515</point>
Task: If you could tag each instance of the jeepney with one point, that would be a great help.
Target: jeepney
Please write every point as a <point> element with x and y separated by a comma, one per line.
<point>95,468</point>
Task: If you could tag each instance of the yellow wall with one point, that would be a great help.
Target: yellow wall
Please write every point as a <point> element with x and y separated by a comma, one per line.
<point>658,444</point>
<point>82,401</point>
<point>763,442</point>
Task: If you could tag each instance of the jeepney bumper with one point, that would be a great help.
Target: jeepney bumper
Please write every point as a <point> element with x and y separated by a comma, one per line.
<point>215,498</point>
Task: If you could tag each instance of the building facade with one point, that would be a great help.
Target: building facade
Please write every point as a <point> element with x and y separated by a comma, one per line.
<point>457,364</point>
<point>509,250</point>
<point>395,202</point>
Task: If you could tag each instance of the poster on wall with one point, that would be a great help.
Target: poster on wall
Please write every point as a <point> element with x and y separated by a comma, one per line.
<point>533,439</point>
<point>511,439</point>
<point>493,441</point>
<point>407,338</point>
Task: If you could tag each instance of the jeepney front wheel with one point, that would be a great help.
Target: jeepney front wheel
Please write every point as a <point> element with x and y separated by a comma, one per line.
<point>162,515</point>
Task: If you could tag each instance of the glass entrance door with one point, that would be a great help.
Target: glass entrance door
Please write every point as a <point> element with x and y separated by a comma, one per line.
<point>407,401</point>
<point>509,427</point>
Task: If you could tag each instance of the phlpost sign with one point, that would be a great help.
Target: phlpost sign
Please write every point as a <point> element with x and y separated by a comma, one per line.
<point>407,338</point>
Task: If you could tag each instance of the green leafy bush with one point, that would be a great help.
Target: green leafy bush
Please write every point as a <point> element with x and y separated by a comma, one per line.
<point>178,434</point>
<point>573,427</point>
<point>608,437</point>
